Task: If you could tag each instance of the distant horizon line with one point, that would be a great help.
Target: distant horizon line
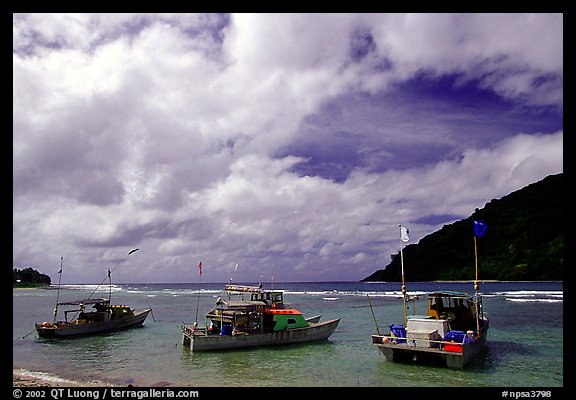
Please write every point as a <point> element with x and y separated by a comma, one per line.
<point>282,282</point>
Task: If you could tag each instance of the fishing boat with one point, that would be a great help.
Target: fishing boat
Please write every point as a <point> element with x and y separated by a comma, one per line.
<point>251,317</point>
<point>104,318</point>
<point>450,333</point>
<point>453,332</point>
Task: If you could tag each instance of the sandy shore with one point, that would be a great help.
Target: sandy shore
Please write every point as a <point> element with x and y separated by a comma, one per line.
<point>24,378</point>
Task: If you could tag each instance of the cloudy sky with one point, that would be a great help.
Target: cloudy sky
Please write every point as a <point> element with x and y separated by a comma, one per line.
<point>292,145</point>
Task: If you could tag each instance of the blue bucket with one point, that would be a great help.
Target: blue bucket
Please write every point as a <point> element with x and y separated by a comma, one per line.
<point>457,336</point>
<point>226,330</point>
<point>398,331</point>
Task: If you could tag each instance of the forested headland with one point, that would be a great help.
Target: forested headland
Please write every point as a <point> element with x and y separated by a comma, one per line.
<point>29,277</point>
<point>524,240</point>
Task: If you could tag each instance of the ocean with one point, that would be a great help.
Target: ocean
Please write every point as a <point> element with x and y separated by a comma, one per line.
<point>525,343</point>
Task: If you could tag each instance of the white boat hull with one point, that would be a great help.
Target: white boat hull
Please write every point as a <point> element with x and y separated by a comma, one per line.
<point>199,341</point>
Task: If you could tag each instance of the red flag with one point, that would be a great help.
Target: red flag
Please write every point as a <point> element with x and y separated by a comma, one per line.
<point>200,266</point>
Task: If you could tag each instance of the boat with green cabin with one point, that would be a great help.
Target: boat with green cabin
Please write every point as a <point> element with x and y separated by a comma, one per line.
<point>254,317</point>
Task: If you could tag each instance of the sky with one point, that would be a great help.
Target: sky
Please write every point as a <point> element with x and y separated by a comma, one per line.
<point>289,145</point>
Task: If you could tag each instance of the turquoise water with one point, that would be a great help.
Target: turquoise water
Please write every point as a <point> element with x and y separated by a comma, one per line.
<point>525,345</point>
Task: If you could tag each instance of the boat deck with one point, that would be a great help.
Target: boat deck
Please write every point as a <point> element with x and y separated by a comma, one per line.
<point>451,354</point>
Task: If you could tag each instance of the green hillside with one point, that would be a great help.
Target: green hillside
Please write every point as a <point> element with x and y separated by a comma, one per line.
<point>524,241</point>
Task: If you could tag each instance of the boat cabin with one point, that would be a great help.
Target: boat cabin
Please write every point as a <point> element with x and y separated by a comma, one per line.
<point>271,298</point>
<point>448,311</point>
<point>458,308</point>
<point>263,312</point>
<point>101,311</point>
<point>281,320</point>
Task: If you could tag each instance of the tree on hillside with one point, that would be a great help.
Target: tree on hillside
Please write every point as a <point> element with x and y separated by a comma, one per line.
<point>29,276</point>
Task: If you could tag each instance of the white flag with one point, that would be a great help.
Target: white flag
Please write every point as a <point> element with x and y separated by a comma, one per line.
<point>404,234</point>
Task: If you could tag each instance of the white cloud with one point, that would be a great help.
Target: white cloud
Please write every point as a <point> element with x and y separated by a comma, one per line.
<point>171,132</point>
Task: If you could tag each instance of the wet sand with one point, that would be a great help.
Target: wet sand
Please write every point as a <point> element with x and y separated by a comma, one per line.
<point>23,378</point>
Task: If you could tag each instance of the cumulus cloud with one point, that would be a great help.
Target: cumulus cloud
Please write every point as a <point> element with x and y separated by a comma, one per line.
<point>290,143</point>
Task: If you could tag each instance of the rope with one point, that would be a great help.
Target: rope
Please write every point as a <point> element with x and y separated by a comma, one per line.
<point>29,333</point>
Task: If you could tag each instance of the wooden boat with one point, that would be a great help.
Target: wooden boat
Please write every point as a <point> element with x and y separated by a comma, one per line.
<point>104,318</point>
<point>263,320</point>
<point>453,331</point>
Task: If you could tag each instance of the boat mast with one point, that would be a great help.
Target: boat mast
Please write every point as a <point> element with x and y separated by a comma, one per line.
<point>479,229</point>
<point>58,293</point>
<point>476,286</point>
<point>403,238</point>
<point>199,287</point>
<point>109,286</point>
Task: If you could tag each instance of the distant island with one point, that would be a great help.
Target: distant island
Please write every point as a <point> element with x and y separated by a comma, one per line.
<point>524,240</point>
<point>29,277</point>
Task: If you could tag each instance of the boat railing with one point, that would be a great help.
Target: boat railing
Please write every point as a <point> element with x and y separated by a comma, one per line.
<point>413,342</point>
<point>191,331</point>
<point>243,289</point>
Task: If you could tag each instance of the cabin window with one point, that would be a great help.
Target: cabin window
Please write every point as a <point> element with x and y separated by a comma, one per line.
<point>290,321</point>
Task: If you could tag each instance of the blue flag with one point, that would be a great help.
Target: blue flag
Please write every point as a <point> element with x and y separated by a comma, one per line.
<point>479,228</point>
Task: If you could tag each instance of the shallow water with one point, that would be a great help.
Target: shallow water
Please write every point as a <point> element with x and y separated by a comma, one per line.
<point>525,345</point>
